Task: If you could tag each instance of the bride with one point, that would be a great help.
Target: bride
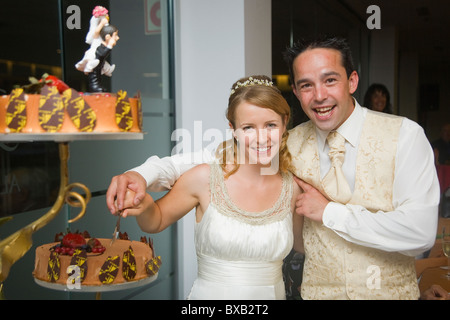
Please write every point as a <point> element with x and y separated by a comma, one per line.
<point>245,201</point>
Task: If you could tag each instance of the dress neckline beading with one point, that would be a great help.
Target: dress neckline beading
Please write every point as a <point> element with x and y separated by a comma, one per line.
<point>221,199</point>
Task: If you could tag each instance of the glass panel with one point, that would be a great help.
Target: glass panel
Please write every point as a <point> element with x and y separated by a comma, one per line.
<point>29,173</point>
<point>141,58</point>
<point>23,30</point>
<point>143,65</point>
<point>294,19</point>
<point>29,176</point>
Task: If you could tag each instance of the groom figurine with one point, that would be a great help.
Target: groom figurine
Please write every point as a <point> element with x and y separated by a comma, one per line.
<point>110,36</point>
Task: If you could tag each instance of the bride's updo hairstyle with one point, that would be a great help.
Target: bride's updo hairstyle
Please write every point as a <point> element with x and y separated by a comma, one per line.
<point>259,91</point>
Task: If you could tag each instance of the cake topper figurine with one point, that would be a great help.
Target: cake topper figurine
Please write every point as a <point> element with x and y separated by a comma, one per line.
<point>102,37</point>
<point>110,36</point>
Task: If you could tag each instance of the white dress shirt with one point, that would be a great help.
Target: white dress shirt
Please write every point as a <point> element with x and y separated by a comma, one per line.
<point>409,229</point>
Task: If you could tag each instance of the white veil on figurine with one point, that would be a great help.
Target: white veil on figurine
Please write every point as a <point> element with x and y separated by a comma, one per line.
<point>99,19</point>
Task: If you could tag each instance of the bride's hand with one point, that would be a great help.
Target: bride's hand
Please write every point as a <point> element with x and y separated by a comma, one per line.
<point>132,209</point>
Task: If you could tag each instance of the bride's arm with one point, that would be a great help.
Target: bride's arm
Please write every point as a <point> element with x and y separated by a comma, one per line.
<point>155,216</point>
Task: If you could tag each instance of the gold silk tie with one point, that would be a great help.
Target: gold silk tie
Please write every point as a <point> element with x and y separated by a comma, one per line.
<point>334,182</point>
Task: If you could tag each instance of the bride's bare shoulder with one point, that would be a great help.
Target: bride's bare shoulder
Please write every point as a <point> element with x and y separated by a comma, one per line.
<point>198,175</point>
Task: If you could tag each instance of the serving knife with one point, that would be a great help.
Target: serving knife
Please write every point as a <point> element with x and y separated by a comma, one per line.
<point>117,228</point>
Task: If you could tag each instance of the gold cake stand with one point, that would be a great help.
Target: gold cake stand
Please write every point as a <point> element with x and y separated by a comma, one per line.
<point>17,244</point>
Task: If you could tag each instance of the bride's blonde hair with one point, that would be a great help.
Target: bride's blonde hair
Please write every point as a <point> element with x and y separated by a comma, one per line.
<point>259,91</point>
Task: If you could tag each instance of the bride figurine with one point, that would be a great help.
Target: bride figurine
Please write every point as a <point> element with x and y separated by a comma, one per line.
<point>100,18</point>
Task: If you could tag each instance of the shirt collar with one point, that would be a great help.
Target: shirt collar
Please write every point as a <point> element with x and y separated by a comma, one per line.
<point>350,129</point>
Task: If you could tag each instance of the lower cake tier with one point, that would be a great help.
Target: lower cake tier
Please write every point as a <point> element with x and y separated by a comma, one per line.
<point>100,113</point>
<point>95,263</point>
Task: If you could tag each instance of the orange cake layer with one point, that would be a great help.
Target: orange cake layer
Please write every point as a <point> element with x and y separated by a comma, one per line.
<point>142,253</point>
<point>103,105</point>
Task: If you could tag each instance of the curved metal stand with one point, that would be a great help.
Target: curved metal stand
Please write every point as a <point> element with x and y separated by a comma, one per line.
<point>16,245</point>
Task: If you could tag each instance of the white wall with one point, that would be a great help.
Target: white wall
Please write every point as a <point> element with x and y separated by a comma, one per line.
<point>216,43</point>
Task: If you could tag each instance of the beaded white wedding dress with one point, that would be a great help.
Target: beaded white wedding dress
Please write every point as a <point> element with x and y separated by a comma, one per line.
<point>240,254</point>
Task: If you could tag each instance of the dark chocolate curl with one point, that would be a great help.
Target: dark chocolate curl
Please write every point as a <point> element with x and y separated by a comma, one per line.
<point>79,259</point>
<point>109,270</point>
<point>129,265</point>
<point>54,267</point>
<point>139,111</point>
<point>16,112</point>
<point>51,109</point>
<point>80,113</point>
<point>153,265</point>
<point>124,118</point>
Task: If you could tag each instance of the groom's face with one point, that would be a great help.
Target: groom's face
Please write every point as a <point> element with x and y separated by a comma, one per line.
<point>323,88</point>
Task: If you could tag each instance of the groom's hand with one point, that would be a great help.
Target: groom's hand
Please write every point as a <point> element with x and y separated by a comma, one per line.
<point>115,196</point>
<point>311,203</point>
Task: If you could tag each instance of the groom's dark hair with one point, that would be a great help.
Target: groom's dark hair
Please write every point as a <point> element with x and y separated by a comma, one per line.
<point>324,42</point>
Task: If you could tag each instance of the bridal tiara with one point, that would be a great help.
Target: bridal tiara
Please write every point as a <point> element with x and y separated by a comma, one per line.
<point>251,82</point>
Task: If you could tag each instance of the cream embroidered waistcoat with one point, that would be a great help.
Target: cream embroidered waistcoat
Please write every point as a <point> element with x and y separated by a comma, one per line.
<point>338,269</point>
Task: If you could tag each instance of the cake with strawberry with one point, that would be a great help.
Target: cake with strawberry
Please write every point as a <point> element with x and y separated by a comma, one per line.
<point>78,258</point>
<point>50,105</point>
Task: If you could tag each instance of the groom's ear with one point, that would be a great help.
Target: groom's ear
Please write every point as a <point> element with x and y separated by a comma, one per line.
<point>353,82</point>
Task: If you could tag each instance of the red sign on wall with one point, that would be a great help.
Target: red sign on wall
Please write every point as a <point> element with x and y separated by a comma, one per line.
<point>152,16</point>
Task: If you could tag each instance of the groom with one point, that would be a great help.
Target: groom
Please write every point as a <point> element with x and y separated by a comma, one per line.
<point>382,195</point>
<point>371,192</point>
